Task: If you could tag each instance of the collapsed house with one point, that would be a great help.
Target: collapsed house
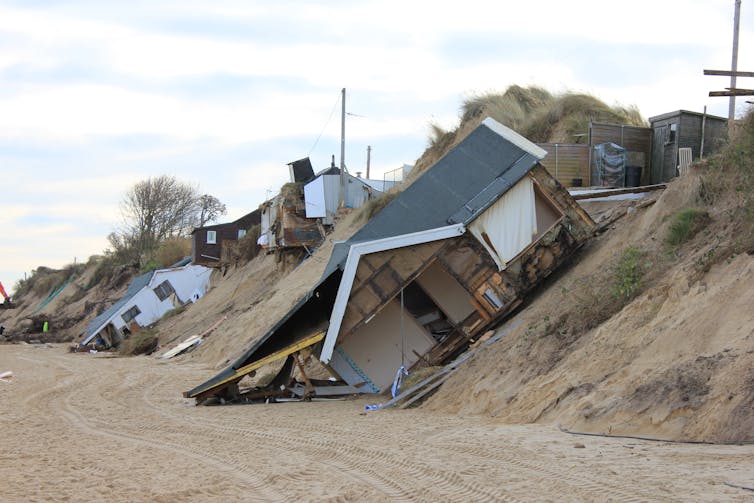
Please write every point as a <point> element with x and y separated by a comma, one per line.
<point>148,298</point>
<point>448,258</point>
<point>296,216</point>
<point>322,194</point>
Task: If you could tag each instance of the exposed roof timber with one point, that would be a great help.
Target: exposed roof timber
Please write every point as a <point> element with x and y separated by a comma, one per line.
<point>352,263</point>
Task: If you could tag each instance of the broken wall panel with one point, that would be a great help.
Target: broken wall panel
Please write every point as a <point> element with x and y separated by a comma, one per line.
<point>467,262</point>
<point>448,294</point>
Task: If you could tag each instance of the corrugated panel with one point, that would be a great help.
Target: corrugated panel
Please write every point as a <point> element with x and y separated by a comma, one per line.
<point>332,196</point>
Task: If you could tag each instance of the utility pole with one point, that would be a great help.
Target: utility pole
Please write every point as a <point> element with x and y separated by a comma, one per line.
<point>342,199</point>
<point>733,91</point>
<point>734,63</point>
<point>369,158</point>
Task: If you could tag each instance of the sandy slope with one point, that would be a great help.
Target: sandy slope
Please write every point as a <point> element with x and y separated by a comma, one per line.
<point>83,428</point>
<point>677,362</point>
<point>251,299</point>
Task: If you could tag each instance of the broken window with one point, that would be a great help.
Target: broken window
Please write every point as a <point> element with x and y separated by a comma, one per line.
<point>131,314</point>
<point>164,290</point>
<point>492,299</point>
<point>672,130</point>
<point>426,312</point>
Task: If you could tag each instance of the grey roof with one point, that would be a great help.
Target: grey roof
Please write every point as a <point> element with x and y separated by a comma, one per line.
<point>668,115</point>
<point>457,189</point>
<point>135,287</point>
<point>184,261</point>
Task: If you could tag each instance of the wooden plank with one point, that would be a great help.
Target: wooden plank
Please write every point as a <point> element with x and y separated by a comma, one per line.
<point>615,192</point>
<point>732,92</point>
<point>728,73</point>
<point>425,391</point>
<point>338,390</point>
<point>278,355</point>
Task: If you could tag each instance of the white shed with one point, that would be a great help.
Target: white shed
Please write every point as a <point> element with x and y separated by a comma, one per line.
<point>322,194</point>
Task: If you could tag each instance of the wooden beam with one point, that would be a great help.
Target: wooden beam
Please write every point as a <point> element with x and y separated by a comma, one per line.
<point>728,73</point>
<point>615,192</point>
<point>732,92</point>
<point>247,369</point>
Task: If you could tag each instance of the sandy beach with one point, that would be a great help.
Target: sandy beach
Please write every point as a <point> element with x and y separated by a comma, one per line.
<point>95,428</point>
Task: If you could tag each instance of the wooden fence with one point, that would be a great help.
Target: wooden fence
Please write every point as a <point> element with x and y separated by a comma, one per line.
<point>636,140</point>
<point>567,162</point>
<point>570,163</point>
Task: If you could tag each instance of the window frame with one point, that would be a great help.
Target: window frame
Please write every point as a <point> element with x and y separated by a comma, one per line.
<point>127,317</point>
<point>672,133</point>
<point>164,290</point>
<point>213,239</point>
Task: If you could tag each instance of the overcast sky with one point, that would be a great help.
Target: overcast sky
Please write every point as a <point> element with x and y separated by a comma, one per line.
<point>96,95</point>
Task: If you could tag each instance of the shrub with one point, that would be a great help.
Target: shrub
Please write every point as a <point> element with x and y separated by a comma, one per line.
<point>142,342</point>
<point>628,272</point>
<point>171,251</point>
<point>247,245</point>
<point>685,225</point>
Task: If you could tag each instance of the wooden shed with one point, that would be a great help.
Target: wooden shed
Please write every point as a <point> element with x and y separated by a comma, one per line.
<point>703,134</point>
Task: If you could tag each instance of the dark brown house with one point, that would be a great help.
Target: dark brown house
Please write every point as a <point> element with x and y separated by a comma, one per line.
<point>207,242</point>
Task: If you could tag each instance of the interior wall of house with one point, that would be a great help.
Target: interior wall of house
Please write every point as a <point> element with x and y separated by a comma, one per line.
<point>447,293</point>
<point>376,347</point>
<point>547,214</point>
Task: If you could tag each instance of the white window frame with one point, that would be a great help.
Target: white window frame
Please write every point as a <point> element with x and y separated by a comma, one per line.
<point>241,233</point>
<point>164,290</point>
<point>211,237</point>
<point>126,316</point>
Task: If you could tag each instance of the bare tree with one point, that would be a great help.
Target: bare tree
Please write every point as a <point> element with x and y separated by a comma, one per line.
<point>159,208</point>
<point>155,209</point>
<point>210,208</point>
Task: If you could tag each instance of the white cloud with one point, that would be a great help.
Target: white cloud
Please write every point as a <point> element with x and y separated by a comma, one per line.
<point>117,88</point>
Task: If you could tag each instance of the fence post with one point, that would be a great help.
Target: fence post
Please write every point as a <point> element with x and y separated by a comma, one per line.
<point>556,162</point>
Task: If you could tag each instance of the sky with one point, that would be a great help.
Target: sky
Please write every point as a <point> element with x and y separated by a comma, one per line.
<point>96,95</point>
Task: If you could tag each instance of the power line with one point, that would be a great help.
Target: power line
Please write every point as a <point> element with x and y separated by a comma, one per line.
<point>325,126</point>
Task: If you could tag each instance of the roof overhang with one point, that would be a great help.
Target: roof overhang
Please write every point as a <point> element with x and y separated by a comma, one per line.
<point>352,262</point>
<point>515,138</point>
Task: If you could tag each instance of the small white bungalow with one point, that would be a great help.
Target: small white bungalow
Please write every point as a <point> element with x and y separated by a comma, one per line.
<point>147,299</point>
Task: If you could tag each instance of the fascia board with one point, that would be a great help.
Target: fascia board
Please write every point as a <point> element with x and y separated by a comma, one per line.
<point>515,138</point>
<point>352,263</point>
